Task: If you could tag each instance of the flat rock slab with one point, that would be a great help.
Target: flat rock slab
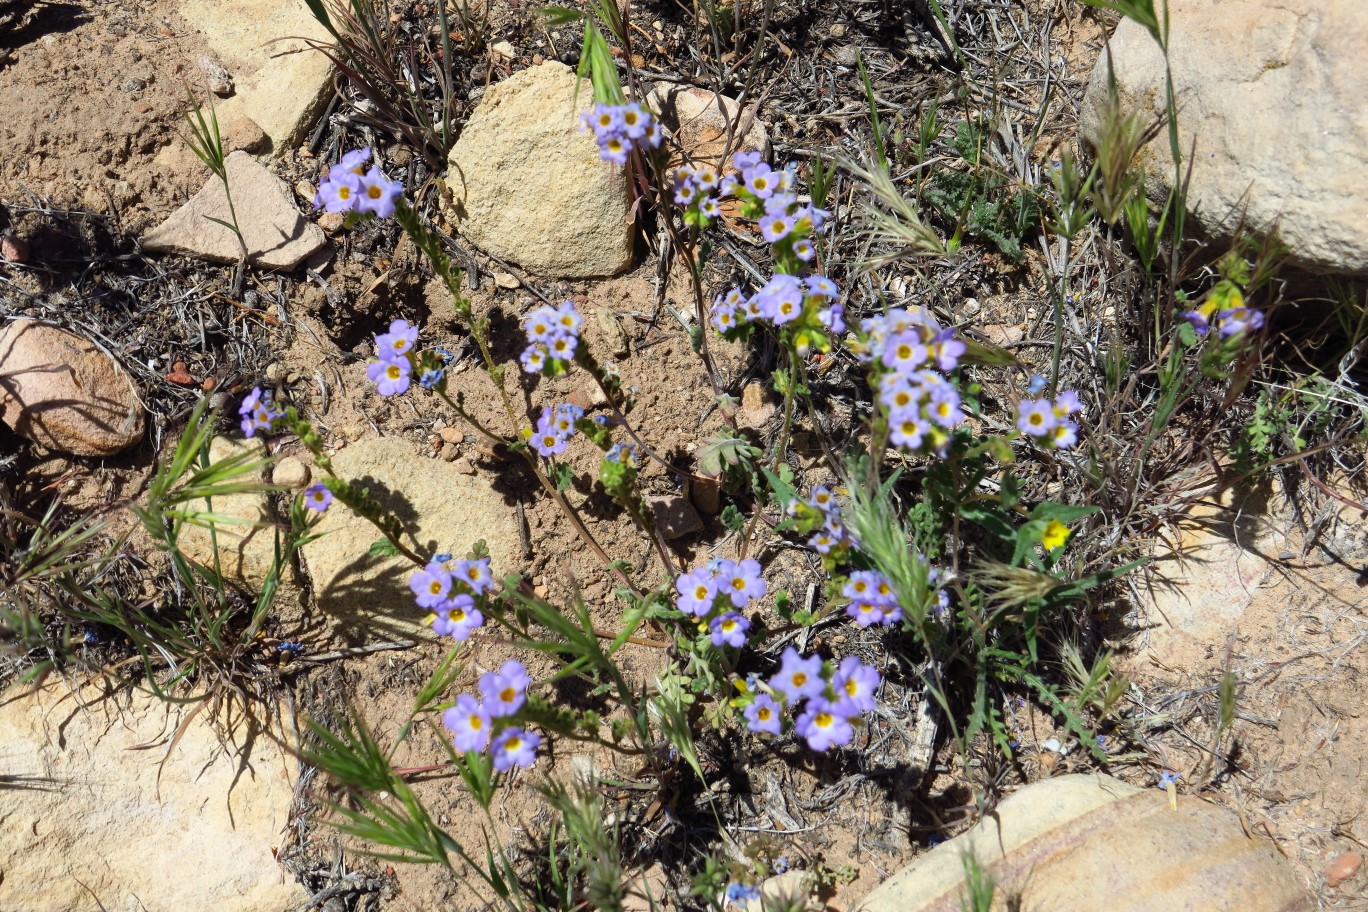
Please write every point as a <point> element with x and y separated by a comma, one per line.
<point>443,509</point>
<point>528,184</point>
<point>1080,843</point>
<point>63,392</point>
<point>88,826</point>
<point>1273,95</point>
<point>282,84</point>
<point>277,235</point>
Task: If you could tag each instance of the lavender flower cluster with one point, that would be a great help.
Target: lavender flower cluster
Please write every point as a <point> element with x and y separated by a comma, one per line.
<point>1229,322</point>
<point>716,593</point>
<point>350,188</point>
<point>259,413</point>
<point>782,300</point>
<point>554,429</point>
<point>477,724</point>
<point>872,600</point>
<point>619,129</point>
<point>552,338</point>
<point>451,594</point>
<point>392,372</point>
<point>833,700</point>
<point>913,353</point>
<point>832,537</point>
<point>1048,422</point>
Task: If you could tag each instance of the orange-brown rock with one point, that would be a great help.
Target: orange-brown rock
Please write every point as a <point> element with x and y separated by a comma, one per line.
<point>63,392</point>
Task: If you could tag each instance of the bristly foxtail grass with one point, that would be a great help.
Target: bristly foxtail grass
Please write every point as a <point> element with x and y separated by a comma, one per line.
<point>894,228</point>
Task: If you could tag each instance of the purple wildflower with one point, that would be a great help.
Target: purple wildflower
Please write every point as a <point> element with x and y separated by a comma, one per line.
<point>697,589</point>
<point>854,684</point>
<point>390,377</point>
<point>457,617</point>
<point>317,497</point>
<point>729,630</point>
<point>824,726</point>
<point>469,724</point>
<point>475,574</point>
<point>505,690</point>
<point>763,715</point>
<point>431,585</point>
<point>399,341</point>
<point>515,747</point>
<point>378,195</point>
<point>798,677</point>
<point>1036,418</point>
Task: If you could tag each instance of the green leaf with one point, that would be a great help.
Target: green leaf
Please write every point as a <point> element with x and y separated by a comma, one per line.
<point>561,475</point>
<point>733,518</point>
<point>551,16</point>
<point>383,548</point>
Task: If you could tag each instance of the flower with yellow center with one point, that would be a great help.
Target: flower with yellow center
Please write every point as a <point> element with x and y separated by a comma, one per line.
<point>1055,535</point>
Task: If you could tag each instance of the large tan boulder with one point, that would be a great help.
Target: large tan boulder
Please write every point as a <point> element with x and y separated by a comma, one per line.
<point>65,393</point>
<point>92,819</point>
<point>282,84</point>
<point>444,510</point>
<point>1089,842</point>
<point>528,185</point>
<point>1272,93</point>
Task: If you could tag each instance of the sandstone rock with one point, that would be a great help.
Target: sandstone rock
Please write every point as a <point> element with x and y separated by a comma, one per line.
<point>290,472</point>
<point>444,509</point>
<point>219,80</point>
<point>528,184</point>
<point>241,133</point>
<point>1272,94</point>
<point>89,826</point>
<point>1200,592</point>
<point>675,517</point>
<point>758,407</point>
<point>791,891</point>
<point>245,540</point>
<point>61,391</point>
<point>1342,867</point>
<point>14,249</point>
<point>277,235</point>
<point>1077,843</point>
<point>282,84</point>
<point>699,120</point>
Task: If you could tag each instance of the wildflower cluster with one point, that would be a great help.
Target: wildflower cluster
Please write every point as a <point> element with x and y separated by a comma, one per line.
<point>821,509</point>
<point>872,600</point>
<point>1224,307</point>
<point>259,413</point>
<point>1048,422</point>
<point>398,361</point>
<point>554,429</point>
<point>835,699</point>
<point>476,724</point>
<point>453,596</point>
<point>911,354</point>
<point>716,593</point>
<point>619,129</point>
<point>552,338</point>
<point>807,309</point>
<point>352,189</point>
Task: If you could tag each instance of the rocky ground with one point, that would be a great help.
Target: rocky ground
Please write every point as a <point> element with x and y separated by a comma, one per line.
<point>123,314</point>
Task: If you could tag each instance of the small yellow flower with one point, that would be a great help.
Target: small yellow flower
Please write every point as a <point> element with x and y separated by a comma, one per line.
<point>1055,535</point>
